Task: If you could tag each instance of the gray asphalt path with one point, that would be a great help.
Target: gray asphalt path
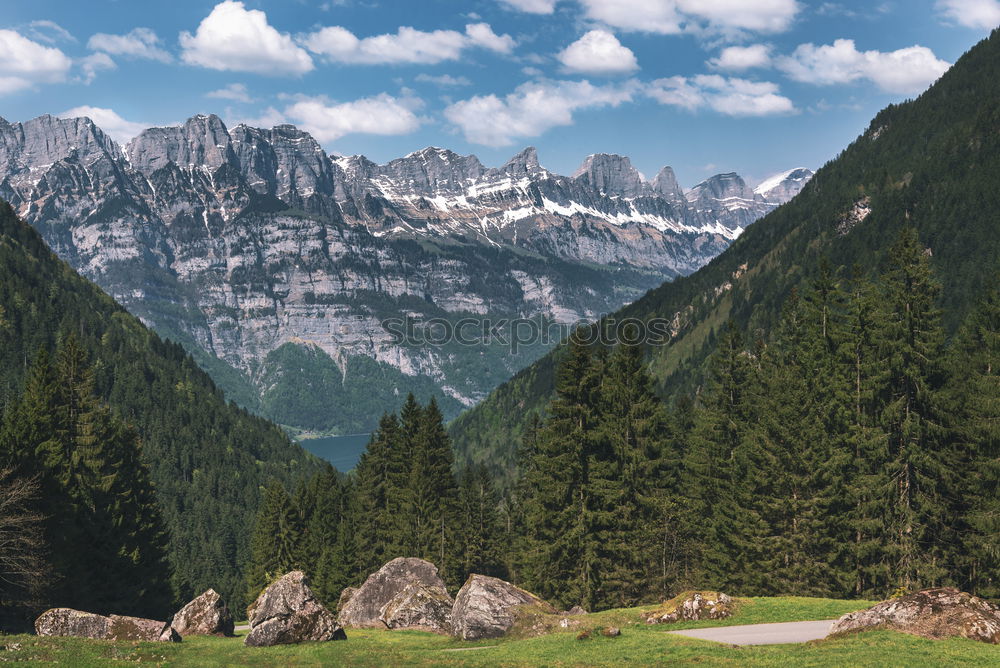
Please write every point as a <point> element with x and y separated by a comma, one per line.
<point>762,634</point>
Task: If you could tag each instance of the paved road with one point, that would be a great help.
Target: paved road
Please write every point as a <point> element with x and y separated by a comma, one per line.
<point>762,634</point>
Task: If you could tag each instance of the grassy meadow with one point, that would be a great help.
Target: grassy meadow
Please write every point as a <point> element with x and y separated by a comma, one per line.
<point>639,645</point>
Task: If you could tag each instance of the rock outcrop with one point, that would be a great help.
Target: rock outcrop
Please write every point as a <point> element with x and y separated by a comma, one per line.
<point>488,607</point>
<point>345,596</point>
<point>690,606</point>
<point>78,624</point>
<point>287,612</point>
<point>419,606</point>
<point>207,615</point>
<point>365,607</point>
<point>931,613</point>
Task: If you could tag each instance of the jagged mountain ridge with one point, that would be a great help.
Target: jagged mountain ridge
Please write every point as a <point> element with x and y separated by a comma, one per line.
<point>242,242</point>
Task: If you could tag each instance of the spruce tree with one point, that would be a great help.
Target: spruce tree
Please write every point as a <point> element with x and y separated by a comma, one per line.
<point>276,543</point>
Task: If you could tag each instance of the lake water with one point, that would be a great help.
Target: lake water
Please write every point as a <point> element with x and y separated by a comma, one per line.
<point>341,451</point>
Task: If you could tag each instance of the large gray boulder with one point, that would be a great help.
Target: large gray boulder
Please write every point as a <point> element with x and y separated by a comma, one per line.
<point>207,615</point>
<point>364,608</point>
<point>488,607</point>
<point>78,624</point>
<point>931,613</point>
<point>287,612</point>
<point>419,606</point>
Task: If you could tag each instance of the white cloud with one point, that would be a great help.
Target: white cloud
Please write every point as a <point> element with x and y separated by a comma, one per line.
<point>984,14</point>
<point>138,43</point>
<point>237,92</point>
<point>94,63</point>
<point>532,109</point>
<point>268,118</point>
<point>754,15</point>
<point>49,32</point>
<point>531,6</point>
<point>114,125</point>
<point>905,71</point>
<point>380,115</point>
<point>408,45</point>
<point>24,63</point>
<point>234,38</point>
<point>674,16</point>
<point>738,58</point>
<point>443,80</point>
<point>726,95</point>
<point>598,52</point>
<point>658,16</point>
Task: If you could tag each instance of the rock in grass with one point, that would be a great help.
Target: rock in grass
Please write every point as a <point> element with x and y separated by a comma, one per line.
<point>489,607</point>
<point>931,613</point>
<point>345,596</point>
<point>611,632</point>
<point>364,608</point>
<point>207,615</point>
<point>690,606</point>
<point>419,606</point>
<point>287,612</point>
<point>79,624</point>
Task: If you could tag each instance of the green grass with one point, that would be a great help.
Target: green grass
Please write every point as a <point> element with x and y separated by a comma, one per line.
<point>639,645</point>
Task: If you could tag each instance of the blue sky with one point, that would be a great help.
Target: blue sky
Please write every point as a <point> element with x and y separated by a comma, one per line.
<point>753,86</point>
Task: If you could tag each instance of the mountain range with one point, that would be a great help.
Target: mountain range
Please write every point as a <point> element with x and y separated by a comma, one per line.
<point>276,264</point>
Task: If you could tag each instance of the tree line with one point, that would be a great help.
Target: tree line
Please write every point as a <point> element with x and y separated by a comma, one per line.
<point>853,452</point>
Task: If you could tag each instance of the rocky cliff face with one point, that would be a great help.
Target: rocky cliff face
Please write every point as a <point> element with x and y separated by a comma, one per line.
<point>278,265</point>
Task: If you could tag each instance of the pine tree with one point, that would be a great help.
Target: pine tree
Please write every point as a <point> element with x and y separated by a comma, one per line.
<point>276,543</point>
<point>481,528</point>
<point>631,482</point>
<point>916,471</point>
<point>380,496</point>
<point>559,560</point>
<point>974,403</point>
<point>432,496</point>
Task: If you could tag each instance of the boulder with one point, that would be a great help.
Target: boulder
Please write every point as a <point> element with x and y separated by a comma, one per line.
<point>488,607</point>
<point>419,606</point>
<point>77,624</point>
<point>364,608</point>
<point>73,623</point>
<point>206,615</point>
<point>611,632</point>
<point>931,613</point>
<point>575,610</point>
<point>287,612</point>
<point>690,606</point>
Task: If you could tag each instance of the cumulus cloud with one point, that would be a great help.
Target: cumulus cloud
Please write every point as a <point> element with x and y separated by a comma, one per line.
<point>905,71</point>
<point>93,64</point>
<point>675,16</point>
<point>982,14</point>
<point>138,43</point>
<point>24,63</point>
<point>407,45</point>
<point>108,120</point>
<point>726,95</point>
<point>380,115</point>
<point>443,80</point>
<point>738,58</point>
<point>598,52</point>
<point>268,118</point>
<point>234,38</point>
<point>532,109</point>
<point>237,92</point>
<point>531,6</point>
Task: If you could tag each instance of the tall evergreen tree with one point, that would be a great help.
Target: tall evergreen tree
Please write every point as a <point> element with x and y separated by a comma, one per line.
<point>482,530</point>
<point>276,543</point>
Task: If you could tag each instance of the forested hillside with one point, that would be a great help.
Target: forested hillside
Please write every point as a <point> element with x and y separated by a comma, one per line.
<point>208,460</point>
<point>848,455</point>
<point>932,163</point>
